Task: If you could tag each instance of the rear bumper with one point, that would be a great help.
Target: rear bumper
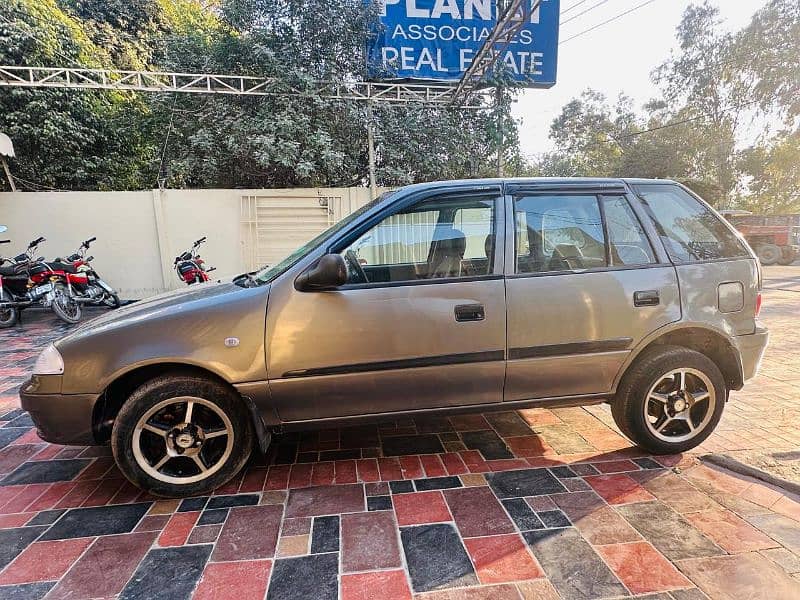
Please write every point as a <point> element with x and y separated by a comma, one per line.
<point>59,418</point>
<point>751,350</point>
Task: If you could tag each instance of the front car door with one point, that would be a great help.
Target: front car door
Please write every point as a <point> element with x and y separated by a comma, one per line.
<point>585,285</point>
<point>420,324</point>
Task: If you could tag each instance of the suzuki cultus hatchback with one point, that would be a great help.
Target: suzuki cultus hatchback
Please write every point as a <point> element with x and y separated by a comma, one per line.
<point>451,296</point>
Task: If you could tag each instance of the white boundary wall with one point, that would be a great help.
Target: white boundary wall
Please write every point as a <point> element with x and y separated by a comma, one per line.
<point>140,233</point>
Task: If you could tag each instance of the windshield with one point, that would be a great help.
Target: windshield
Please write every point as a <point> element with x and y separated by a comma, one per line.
<point>269,273</point>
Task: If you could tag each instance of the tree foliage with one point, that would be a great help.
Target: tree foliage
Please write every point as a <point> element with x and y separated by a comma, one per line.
<point>100,140</point>
<point>713,87</point>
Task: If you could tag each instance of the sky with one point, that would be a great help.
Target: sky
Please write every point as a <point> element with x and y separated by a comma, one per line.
<point>614,58</point>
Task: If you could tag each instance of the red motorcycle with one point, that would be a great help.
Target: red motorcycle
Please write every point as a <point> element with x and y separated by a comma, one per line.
<point>26,281</point>
<point>190,267</point>
<point>94,291</point>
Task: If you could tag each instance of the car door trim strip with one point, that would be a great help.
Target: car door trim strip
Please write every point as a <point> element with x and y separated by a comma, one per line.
<point>406,363</point>
<point>590,347</point>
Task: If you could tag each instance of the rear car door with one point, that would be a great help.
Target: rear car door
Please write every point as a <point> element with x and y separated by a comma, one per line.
<point>420,324</point>
<point>584,286</point>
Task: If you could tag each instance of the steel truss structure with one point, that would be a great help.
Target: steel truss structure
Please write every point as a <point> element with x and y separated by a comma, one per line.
<point>514,16</point>
<point>205,83</point>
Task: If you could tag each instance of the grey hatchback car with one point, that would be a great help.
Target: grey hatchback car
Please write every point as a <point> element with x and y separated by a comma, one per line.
<point>452,296</point>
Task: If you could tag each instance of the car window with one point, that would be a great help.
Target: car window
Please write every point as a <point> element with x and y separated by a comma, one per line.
<point>433,239</point>
<point>690,231</point>
<point>626,239</point>
<point>558,233</point>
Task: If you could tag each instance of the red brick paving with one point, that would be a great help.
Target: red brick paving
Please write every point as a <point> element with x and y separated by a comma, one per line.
<point>618,489</point>
<point>106,566</point>
<point>642,568</point>
<point>421,507</point>
<point>178,529</point>
<point>375,586</point>
<point>369,542</point>
<point>477,512</point>
<point>240,540</point>
<point>44,561</point>
<point>234,581</point>
<point>730,533</point>
<point>502,558</point>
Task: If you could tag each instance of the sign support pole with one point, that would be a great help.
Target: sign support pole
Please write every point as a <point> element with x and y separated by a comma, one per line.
<point>373,186</point>
<point>498,107</point>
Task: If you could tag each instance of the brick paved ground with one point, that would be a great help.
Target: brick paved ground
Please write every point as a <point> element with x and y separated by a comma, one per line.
<point>529,504</point>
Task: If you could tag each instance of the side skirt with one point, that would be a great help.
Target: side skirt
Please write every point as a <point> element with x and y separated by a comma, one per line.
<point>559,402</point>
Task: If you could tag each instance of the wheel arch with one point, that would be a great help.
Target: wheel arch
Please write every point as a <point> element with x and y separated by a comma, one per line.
<point>120,388</point>
<point>710,342</point>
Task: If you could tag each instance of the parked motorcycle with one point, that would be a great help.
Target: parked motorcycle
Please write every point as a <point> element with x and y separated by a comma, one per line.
<point>95,291</point>
<point>25,281</point>
<point>190,267</point>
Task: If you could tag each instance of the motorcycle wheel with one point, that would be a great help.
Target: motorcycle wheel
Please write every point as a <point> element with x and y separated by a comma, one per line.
<point>8,315</point>
<point>111,301</point>
<point>65,307</point>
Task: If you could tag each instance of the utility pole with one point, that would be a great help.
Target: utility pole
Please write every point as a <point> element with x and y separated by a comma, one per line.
<point>8,174</point>
<point>373,186</point>
<point>7,149</point>
<point>498,108</point>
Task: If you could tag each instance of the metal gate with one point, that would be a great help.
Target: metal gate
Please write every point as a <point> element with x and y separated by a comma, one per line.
<point>274,226</point>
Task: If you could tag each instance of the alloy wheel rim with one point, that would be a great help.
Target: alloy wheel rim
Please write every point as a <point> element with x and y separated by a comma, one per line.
<point>183,440</point>
<point>679,405</point>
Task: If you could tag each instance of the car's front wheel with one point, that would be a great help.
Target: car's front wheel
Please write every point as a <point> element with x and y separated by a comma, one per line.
<point>670,400</point>
<point>182,435</point>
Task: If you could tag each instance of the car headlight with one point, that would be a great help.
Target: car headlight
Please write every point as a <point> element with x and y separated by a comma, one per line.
<point>49,362</point>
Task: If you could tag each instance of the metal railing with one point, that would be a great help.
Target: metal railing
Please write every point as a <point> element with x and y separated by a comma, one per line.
<point>206,83</point>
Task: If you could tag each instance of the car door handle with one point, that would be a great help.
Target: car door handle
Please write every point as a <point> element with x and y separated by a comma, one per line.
<point>646,298</point>
<point>470,312</point>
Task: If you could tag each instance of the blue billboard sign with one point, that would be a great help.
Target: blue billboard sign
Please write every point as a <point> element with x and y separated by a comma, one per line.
<point>438,39</point>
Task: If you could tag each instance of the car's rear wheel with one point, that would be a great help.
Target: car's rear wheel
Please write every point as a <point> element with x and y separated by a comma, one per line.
<point>670,400</point>
<point>182,435</point>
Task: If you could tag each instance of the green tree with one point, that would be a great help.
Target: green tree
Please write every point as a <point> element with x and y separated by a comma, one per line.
<point>64,138</point>
<point>702,83</point>
<point>772,169</point>
<point>768,50</point>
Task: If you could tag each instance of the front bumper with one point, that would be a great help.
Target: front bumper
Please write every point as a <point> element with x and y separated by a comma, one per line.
<point>59,418</point>
<point>751,349</point>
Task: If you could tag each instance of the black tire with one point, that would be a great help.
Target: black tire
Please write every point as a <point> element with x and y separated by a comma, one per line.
<point>628,406</point>
<point>769,254</point>
<point>161,389</point>
<point>112,301</point>
<point>65,307</point>
<point>9,315</point>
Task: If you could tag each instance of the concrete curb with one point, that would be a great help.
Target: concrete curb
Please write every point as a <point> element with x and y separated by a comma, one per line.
<point>726,462</point>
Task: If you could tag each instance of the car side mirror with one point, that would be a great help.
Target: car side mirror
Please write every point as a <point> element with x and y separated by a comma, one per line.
<point>328,273</point>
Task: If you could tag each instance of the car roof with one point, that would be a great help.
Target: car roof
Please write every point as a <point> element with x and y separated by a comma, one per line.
<point>588,181</point>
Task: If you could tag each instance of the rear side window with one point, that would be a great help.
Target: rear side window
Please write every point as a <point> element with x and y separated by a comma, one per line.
<point>689,230</point>
<point>559,233</point>
<point>571,233</point>
<point>626,238</point>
